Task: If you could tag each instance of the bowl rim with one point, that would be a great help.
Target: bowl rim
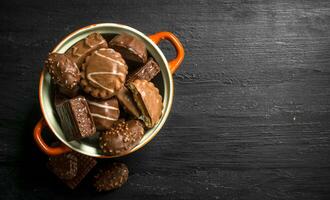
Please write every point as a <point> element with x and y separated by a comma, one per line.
<point>166,110</point>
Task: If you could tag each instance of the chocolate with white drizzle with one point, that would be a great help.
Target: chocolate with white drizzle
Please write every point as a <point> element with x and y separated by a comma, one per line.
<point>104,112</point>
<point>103,73</point>
<point>78,52</point>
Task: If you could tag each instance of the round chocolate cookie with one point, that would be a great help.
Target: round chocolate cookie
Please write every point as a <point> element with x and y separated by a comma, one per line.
<point>122,137</point>
<point>130,47</point>
<point>104,112</point>
<point>112,177</point>
<point>103,73</point>
<point>64,73</point>
<point>149,101</point>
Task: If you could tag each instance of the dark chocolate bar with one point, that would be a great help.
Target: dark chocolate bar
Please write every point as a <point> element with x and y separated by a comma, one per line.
<point>146,72</point>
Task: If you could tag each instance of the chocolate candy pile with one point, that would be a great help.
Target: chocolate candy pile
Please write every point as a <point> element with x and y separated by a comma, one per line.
<point>73,167</point>
<point>103,87</point>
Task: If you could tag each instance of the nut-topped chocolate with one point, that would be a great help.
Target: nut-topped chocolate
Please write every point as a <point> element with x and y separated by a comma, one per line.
<point>64,73</point>
<point>130,47</point>
<point>76,119</point>
<point>103,73</point>
<point>148,99</point>
<point>78,52</point>
<point>104,112</point>
<point>122,137</point>
<point>111,177</point>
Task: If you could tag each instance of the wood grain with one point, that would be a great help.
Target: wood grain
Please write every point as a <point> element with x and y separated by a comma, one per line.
<point>250,118</point>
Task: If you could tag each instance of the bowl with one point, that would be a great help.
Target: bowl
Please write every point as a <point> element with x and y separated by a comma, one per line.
<point>164,81</point>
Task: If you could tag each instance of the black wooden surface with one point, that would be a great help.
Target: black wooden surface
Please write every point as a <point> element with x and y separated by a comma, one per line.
<point>250,118</point>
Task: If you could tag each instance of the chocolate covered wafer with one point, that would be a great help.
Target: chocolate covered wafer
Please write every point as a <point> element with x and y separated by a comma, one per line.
<point>76,119</point>
<point>84,165</point>
<point>71,167</point>
<point>146,72</point>
<point>63,166</point>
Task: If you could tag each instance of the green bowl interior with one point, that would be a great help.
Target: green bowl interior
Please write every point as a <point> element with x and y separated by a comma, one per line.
<point>89,146</point>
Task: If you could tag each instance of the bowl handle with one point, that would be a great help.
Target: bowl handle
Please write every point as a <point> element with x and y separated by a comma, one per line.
<point>175,63</point>
<point>51,151</point>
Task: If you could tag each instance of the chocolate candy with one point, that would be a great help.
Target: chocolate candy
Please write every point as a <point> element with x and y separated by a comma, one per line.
<point>130,47</point>
<point>149,101</point>
<point>78,52</point>
<point>76,119</point>
<point>85,164</point>
<point>71,167</point>
<point>104,112</point>
<point>64,73</point>
<point>126,100</point>
<point>122,137</point>
<point>146,72</point>
<point>63,166</point>
<point>112,177</point>
<point>103,73</point>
